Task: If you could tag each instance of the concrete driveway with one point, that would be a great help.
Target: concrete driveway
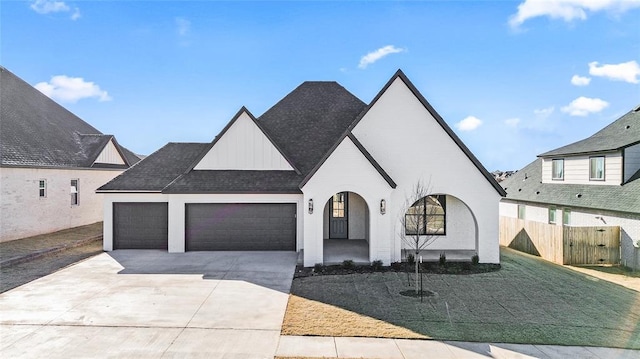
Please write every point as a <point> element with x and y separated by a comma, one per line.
<point>139,303</point>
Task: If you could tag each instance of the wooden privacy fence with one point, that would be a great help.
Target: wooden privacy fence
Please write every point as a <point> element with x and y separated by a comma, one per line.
<point>562,244</point>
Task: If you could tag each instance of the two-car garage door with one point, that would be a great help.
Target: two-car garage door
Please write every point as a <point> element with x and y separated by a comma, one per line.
<point>240,226</point>
<point>208,226</point>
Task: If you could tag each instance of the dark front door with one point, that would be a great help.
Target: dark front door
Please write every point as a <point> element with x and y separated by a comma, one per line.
<point>338,216</point>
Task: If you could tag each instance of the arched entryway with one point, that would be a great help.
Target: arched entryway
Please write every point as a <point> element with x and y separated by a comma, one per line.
<point>445,224</point>
<point>346,227</point>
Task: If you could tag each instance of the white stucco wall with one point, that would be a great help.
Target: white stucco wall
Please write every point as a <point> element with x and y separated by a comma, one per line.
<point>581,217</point>
<point>410,145</point>
<point>23,213</point>
<point>177,204</point>
<point>576,170</point>
<point>244,147</point>
<point>347,170</point>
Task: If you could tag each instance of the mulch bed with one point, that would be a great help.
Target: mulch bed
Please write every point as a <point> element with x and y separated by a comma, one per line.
<point>464,268</point>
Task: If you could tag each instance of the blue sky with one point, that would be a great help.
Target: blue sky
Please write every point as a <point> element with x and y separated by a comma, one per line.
<point>512,78</point>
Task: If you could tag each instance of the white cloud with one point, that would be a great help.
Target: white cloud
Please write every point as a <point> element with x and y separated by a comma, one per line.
<point>76,14</point>
<point>71,89</point>
<point>48,6</point>
<point>512,122</point>
<point>52,6</point>
<point>582,106</point>
<point>183,26</point>
<point>567,10</point>
<point>580,81</point>
<point>376,55</point>
<point>626,71</point>
<point>544,112</point>
<point>469,123</point>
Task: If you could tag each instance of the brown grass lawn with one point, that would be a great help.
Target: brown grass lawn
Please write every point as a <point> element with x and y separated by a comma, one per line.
<point>528,301</point>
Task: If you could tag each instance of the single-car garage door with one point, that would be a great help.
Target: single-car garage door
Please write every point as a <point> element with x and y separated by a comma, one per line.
<point>140,225</point>
<point>240,226</point>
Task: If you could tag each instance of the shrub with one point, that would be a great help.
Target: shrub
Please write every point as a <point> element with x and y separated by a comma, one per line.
<point>475,259</point>
<point>318,267</point>
<point>347,264</point>
<point>466,266</point>
<point>411,259</point>
<point>443,259</point>
<point>376,265</point>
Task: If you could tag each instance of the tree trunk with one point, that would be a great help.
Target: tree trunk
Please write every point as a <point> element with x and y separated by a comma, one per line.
<point>417,290</point>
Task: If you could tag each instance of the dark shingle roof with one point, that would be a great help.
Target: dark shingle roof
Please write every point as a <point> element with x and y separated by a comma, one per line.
<point>308,121</point>
<point>36,131</point>
<point>625,198</point>
<point>157,170</point>
<point>233,181</point>
<point>621,133</point>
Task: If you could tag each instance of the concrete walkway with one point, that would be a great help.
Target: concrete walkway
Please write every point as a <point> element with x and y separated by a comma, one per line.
<point>374,348</point>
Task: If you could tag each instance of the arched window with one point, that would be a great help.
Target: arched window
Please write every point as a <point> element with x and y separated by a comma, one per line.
<point>428,216</point>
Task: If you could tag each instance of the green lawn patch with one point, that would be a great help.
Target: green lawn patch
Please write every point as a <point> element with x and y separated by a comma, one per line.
<point>528,301</point>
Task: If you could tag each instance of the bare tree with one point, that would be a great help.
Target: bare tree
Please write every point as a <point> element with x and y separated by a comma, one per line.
<point>419,226</point>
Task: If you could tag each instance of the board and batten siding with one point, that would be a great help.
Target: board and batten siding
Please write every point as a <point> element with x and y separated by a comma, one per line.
<point>631,161</point>
<point>110,155</point>
<point>244,147</point>
<point>576,170</point>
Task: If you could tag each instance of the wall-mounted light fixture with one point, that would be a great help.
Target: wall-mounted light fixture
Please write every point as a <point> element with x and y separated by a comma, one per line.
<point>383,206</point>
<point>311,206</point>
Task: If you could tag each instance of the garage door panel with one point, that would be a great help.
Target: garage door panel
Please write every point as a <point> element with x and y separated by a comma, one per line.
<point>140,225</point>
<point>240,226</point>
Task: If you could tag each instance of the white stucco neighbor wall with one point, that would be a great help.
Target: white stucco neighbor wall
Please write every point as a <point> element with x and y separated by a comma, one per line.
<point>23,213</point>
<point>346,170</point>
<point>177,204</point>
<point>410,145</point>
<point>581,217</point>
<point>244,147</point>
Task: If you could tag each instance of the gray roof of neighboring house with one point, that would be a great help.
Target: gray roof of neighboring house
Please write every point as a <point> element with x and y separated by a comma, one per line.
<point>158,170</point>
<point>37,132</point>
<point>621,133</point>
<point>525,185</point>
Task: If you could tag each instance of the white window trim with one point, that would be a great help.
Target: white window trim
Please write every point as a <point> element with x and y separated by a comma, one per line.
<point>553,210</point>
<point>553,172</point>
<point>75,190</point>
<point>604,169</point>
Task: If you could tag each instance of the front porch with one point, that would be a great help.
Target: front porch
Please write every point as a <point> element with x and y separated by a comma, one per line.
<point>338,250</point>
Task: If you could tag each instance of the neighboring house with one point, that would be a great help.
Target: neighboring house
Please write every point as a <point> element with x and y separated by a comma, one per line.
<point>319,165</point>
<point>592,182</point>
<point>51,163</point>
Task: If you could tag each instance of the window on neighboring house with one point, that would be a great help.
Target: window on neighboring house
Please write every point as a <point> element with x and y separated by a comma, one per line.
<point>42,188</point>
<point>557,169</point>
<point>521,211</point>
<point>566,217</point>
<point>552,215</point>
<point>596,168</point>
<point>75,192</point>
<point>428,216</point>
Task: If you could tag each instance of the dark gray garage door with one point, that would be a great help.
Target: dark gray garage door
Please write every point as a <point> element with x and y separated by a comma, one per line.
<point>140,225</point>
<point>240,226</point>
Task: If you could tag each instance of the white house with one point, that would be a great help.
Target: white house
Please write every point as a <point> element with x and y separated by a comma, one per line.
<point>51,163</point>
<point>318,168</point>
<point>592,182</point>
